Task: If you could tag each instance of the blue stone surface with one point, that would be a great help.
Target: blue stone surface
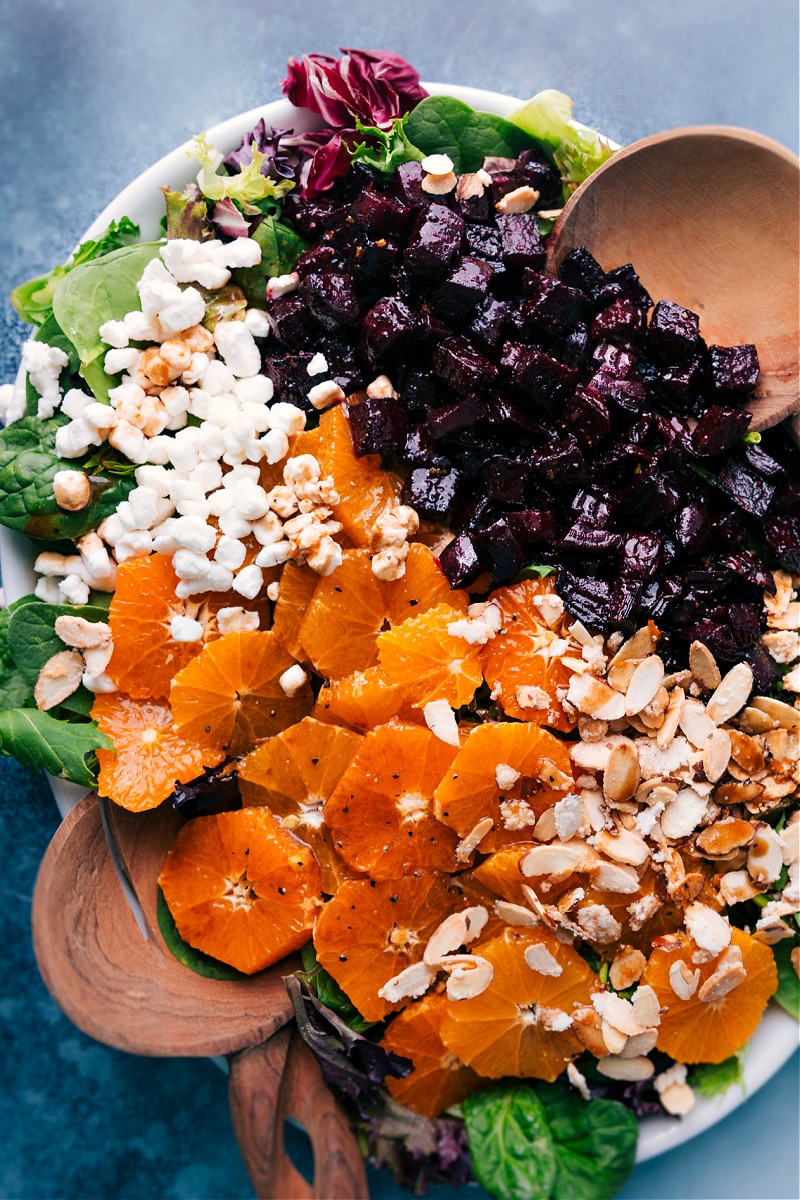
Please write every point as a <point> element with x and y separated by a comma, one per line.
<point>92,92</point>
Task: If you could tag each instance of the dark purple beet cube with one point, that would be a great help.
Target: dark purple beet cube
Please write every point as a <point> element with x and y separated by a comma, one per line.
<point>420,391</point>
<point>540,174</point>
<point>462,366</point>
<point>734,368</point>
<point>434,241</point>
<point>460,561</point>
<point>505,479</point>
<point>674,332</point>
<point>692,527</point>
<point>593,507</point>
<point>574,349</point>
<point>532,525</point>
<point>331,299</point>
<point>625,601</point>
<point>746,488</point>
<point>456,417</point>
<point>678,384</point>
<point>406,184</point>
<point>521,242</point>
<point>369,262</point>
<point>614,361</point>
<point>620,323</point>
<point>473,511</point>
<point>748,566</point>
<point>625,283</point>
<point>463,290</point>
<point>379,425</point>
<point>561,464</point>
<point>475,208</point>
<point>587,416</point>
<point>319,257</point>
<point>580,269</point>
<point>787,498</point>
<point>507,417</point>
<point>586,598</point>
<point>497,545</point>
<point>627,396</point>
<point>379,214</point>
<point>650,497</point>
<point>764,464</point>
<point>766,672</point>
<point>545,380</point>
<point>783,539</point>
<point>553,307</point>
<point>487,325</point>
<point>484,242</point>
<point>344,366</point>
<point>290,322</point>
<point>585,538</point>
<point>719,430</point>
<point>641,555</point>
<point>290,378</point>
<point>511,354</point>
<point>386,331</point>
<point>422,450</point>
<point>431,491</point>
<point>310,215</point>
<point>727,631</point>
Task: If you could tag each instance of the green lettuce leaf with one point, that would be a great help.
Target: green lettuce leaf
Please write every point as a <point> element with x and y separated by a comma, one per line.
<point>595,1143</point>
<point>714,1079</point>
<point>32,638</point>
<point>443,125</point>
<point>577,150</point>
<point>187,217</point>
<point>280,249</point>
<point>246,188</point>
<point>788,993</point>
<point>389,148</point>
<point>42,743</point>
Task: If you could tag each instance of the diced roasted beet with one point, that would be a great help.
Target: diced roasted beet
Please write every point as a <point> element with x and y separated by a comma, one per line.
<point>658,597</point>
<point>290,378</point>
<point>540,174</point>
<point>422,450</point>
<point>472,511</point>
<point>319,257</point>
<point>507,417</point>
<point>215,791</point>
<point>431,329</point>
<point>573,350</point>
<point>521,242</point>
<point>506,479</point>
<point>434,241</point>
<point>625,283</point>
<point>532,525</point>
<point>719,430</point>
<point>748,566</point>
<point>386,331</point>
<point>692,528</point>
<point>677,385</point>
<point>462,366</point>
<point>727,631</point>
<point>561,464</point>
<point>734,369</point>
<point>764,465</point>
<point>379,425</point>
<point>309,215</point>
<point>627,396</point>
<point>331,299</point>
<point>787,498</point>
<point>580,269</point>
<point>553,307</point>
<point>626,597</point>
<point>621,322</point>
<point>674,332</point>
<point>587,538</point>
<point>641,555</point>
<point>291,324</point>
<point>371,262</point>
<point>484,242</point>
<point>614,362</point>
<point>487,325</point>
<point>463,290</point>
<point>747,489</point>
<point>587,599</point>
<point>587,416</point>
<point>460,561</point>
<point>379,214</point>
<point>594,507</point>
<point>456,417</point>
<point>344,365</point>
<point>476,208</point>
<point>783,539</point>
<point>431,491</point>
<point>766,672</point>
<point>419,391</point>
<point>406,184</point>
<point>543,379</point>
<point>497,545</point>
<point>651,497</point>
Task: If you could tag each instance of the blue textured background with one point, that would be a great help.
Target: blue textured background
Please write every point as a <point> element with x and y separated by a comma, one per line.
<point>91,92</point>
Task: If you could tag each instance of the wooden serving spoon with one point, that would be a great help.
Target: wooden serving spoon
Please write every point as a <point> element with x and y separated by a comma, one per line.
<point>130,992</point>
<point>708,215</point>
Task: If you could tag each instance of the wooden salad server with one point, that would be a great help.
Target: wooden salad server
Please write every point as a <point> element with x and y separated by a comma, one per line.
<point>130,992</point>
<point>708,215</point>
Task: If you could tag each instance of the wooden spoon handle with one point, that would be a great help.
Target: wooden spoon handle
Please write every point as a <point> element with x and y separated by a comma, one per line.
<point>279,1079</point>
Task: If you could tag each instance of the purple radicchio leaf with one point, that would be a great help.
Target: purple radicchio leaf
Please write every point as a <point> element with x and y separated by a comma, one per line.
<point>375,85</point>
<point>327,158</point>
<point>281,162</point>
<point>228,220</point>
<point>350,1062</point>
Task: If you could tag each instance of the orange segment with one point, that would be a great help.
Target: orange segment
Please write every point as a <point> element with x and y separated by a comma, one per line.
<point>380,814</point>
<point>365,489</point>
<point>504,1030</point>
<point>370,931</point>
<point>297,586</point>
<point>293,774</point>
<point>363,700</point>
<point>342,620</point>
<point>151,755</point>
<point>429,662</point>
<point>241,888</point>
<point>518,657</point>
<point>230,696</point>
<point>423,587</point>
<point>470,791</point>
<point>438,1079</point>
<point>693,1031</point>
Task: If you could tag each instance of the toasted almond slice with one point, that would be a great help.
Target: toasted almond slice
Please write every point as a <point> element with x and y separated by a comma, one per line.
<point>468,975</point>
<point>624,847</point>
<point>515,914</point>
<point>459,929</point>
<point>521,200</point>
<point>539,959</point>
<point>631,1070</point>
<point>753,720</point>
<point>707,928</point>
<point>621,674</point>
<point>732,694</point>
<point>551,775</point>
<point>737,793</point>
<point>678,1099</point>
<point>591,695</point>
<point>473,839</point>
<point>469,186</point>
<point>646,1006</point>
<point>82,634</point>
<point>408,984</point>
<point>644,685</point>
<point>683,980</point>
<point>545,828</point>
<point>672,717</point>
<point>703,666</point>
<point>717,754</point>
<point>721,983</point>
<point>695,722</point>
<point>765,859</point>
<point>618,1012</point>
<point>641,1043</point>
<point>560,859</point>
<point>725,836</point>
<point>777,710</point>
<point>615,1041</point>
<point>746,752</point>
<point>589,1029</point>
<point>788,619</point>
<point>736,887</point>
<point>683,814</point>
<point>639,645</point>
<point>59,677</point>
<point>614,877</point>
<point>621,776</point>
<point>627,968</point>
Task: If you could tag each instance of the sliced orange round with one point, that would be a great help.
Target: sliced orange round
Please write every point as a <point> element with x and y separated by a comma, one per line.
<point>429,662</point>
<point>371,931</point>
<point>521,1024</point>
<point>470,791</point>
<point>365,489</point>
<point>517,662</point>
<point>150,755</point>
<point>701,1029</point>
<point>439,1079</point>
<point>380,814</point>
<point>230,696</point>
<point>364,700</point>
<point>339,629</point>
<point>241,888</point>
<point>296,587</point>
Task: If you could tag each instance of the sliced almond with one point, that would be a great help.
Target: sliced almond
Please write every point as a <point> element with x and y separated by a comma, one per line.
<point>777,710</point>
<point>683,814</point>
<point>646,1006</point>
<point>553,777</point>
<point>470,843</point>
<point>591,695</point>
<point>735,887</point>
<point>560,859</point>
<point>468,975</point>
<point>644,685</point>
<point>683,980</point>
<point>696,723</point>
<point>594,756</point>
<point>753,720</point>
<point>615,1041</point>
<point>624,847</point>
<point>672,717</point>
<point>521,200</point>
<point>630,1070</point>
<point>765,858</point>
<point>469,186</point>
<point>409,984</point>
<point>746,752</point>
<point>618,1012</point>
<point>614,877</point>
<point>82,634</point>
<point>717,754</point>
<point>732,694</point>
<point>639,645</point>
<point>59,677</point>
<point>515,914</point>
<point>703,666</point>
<point>641,1043</point>
<point>724,836</point>
<point>737,793</point>
<point>539,959</point>
<point>459,929</point>
<point>545,828</point>
<point>721,983</point>
<point>621,674</point>
<point>589,1030</point>
<point>627,968</point>
<point>678,1099</point>
<point>621,776</point>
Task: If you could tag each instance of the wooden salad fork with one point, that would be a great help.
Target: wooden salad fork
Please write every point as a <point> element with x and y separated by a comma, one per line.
<point>130,992</point>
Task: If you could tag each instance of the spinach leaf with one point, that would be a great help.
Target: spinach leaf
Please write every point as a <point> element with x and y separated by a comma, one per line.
<point>28,463</point>
<point>443,125</point>
<point>34,300</point>
<point>32,638</point>
<point>15,690</point>
<point>98,291</point>
<point>195,960</point>
<point>40,742</point>
<point>595,1143</point>
<point>788,993</point>
<point>513,1155</point>
<point>280,249</point>
<point>328,991</point>
<point>714,1079</point>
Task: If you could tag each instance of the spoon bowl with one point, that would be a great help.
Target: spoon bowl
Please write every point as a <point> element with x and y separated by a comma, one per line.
<point>708,215</point>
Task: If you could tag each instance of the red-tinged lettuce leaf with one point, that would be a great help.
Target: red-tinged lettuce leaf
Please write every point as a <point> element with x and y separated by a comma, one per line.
<point>228,220</point>
<point>374,85</point>
<point>187,214</point>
